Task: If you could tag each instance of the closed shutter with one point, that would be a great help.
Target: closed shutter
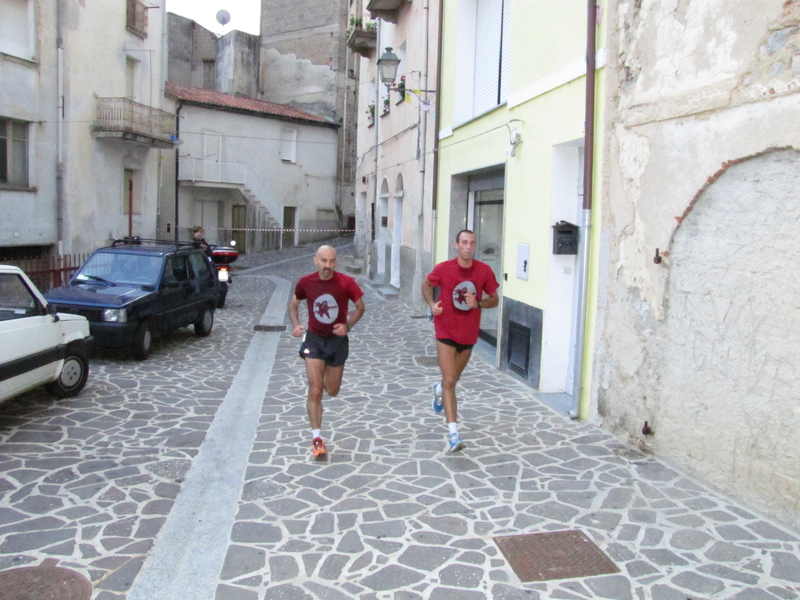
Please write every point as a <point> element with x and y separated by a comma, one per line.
<point>492,54</point>
<point>505,45</point>
<point>14,30</point>
<point>289,145</point>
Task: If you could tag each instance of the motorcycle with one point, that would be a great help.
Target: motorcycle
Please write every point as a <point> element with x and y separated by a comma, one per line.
<point>223,257</point>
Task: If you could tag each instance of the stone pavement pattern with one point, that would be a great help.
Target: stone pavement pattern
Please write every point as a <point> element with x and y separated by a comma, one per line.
<point>91,481</point>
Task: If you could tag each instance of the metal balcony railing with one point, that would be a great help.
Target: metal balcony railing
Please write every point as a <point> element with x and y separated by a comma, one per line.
<point>123,115</point>
<point>136,21</point>
<point>209,170</point>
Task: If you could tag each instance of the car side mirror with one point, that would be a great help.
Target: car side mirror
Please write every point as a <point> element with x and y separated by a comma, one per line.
<point>53,312</point>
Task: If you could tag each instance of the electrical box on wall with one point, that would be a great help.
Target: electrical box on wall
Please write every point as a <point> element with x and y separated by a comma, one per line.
<point>565,238</point>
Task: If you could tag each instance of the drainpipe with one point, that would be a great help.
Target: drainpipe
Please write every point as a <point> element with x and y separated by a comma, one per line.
<point>422,154</point>
<point>178,136</point>
<point>59,131</point>
<point>438,105</point>
<point>588,165</point>
<point>376,125</point>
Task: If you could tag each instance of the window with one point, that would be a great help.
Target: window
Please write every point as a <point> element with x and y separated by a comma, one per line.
<point>209,74</point>
<point>130,78</point>
<point>492,53</point>
<point>16,28</point>
<point>13,152</point>
<point>289,145</point>
<point>136,21</point>
<point>131,193</point>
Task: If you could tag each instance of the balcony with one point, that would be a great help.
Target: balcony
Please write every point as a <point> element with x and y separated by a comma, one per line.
<point>363,40</point>
<point>136,21</point>
<point>125,119</point>
<point>385,9</point>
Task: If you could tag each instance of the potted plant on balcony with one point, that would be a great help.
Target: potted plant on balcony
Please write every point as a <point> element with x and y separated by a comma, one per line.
<point>385,106</point>
<point>371,114</point>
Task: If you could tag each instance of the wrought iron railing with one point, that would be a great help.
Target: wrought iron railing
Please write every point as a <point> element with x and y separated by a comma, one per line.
<point>125,115</point>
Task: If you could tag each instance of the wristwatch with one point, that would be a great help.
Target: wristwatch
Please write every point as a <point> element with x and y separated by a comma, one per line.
<point>479,304</point>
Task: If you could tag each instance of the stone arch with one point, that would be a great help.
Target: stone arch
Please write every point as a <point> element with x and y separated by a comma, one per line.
<point>730,352</point>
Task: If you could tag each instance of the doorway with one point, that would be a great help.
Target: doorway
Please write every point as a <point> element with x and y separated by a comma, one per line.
<point>239,223</point>
<point>487,224</point>
<point>289,215</point>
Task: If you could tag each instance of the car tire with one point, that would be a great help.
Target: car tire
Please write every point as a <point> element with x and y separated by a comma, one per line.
<point>73,375</point>
<point>143,341</point>
<point>204,323</point>
<point>221,299</point>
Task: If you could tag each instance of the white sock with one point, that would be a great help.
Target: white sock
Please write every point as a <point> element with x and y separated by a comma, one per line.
<point>439,390</point>
<point>315,433</point>
<point>453,428</point>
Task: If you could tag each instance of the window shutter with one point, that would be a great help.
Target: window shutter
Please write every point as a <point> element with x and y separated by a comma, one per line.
<point>14,31</point>
<point>289,145</point>
<point>487,54</point>
<point>505,45</point>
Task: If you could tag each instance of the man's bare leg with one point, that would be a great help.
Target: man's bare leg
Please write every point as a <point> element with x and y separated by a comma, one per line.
<point>451,363</point>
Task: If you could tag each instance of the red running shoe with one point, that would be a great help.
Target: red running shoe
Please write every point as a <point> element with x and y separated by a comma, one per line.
<point>318,448</point>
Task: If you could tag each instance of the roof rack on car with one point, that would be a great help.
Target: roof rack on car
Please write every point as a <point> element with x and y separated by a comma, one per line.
<point>138,241</point>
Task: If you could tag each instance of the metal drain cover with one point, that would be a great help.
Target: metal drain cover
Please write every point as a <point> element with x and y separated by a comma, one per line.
<point>45,581</point>
<point>426,361</point>
<point>269,328</point>
<point>557,555</point>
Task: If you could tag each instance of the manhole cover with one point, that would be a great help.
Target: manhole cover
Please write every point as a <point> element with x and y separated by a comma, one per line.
<point>426,361</point>
<point>270,328</point>
<point>45,581</point>
<point>557,555</point>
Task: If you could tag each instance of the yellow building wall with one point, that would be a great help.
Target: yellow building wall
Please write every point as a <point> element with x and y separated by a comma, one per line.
<point>546,104</point>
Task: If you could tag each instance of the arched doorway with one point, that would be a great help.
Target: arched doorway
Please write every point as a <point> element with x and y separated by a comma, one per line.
<point>397,231</point>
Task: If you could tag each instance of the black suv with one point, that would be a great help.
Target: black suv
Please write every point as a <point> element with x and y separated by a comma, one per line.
<point>137,289</point>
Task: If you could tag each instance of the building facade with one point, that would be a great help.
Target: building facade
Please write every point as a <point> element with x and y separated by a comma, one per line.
<point>695,334</point>
<point>248,169</point>
<point>512,166</point>
<point>396,144</point>
<point>80,146</point>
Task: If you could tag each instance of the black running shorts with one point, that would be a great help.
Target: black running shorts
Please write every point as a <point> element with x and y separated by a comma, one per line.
<point>333,350</point>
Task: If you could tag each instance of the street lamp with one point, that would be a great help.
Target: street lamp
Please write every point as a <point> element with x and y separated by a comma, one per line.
<point>387,68</point>
<point>388,64</point>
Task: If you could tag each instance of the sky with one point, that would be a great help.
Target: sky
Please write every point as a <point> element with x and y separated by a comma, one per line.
<point>245,14</point>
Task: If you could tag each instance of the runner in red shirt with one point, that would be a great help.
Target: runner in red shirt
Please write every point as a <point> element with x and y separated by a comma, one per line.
<point>325,345</point>
<point>467,286</point>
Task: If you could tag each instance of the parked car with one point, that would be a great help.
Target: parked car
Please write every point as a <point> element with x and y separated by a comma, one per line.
<point>137,289</point>
<point>37,345</point>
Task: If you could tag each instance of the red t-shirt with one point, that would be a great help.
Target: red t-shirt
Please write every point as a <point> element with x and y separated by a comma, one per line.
<point>459,322</point>
<point>327,300</point>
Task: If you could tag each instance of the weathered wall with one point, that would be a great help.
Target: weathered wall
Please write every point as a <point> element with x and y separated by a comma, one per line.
<point>189,45</point>
<point>298,83</point>
<point>237,64</point>
<point>700,92</point>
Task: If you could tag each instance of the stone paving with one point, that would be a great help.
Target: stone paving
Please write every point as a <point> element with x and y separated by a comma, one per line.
<point>91,481</point>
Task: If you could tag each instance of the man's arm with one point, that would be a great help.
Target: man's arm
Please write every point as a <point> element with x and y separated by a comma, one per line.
<point>486,302</point>
<point>343,328</point>
<point>427,294</point>
<point>297,327</point>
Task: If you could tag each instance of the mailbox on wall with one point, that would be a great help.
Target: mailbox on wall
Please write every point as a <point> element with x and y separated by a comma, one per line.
<point>565,238</point>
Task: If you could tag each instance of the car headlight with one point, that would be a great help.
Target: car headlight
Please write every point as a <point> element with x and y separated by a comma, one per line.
<point>115,315</point>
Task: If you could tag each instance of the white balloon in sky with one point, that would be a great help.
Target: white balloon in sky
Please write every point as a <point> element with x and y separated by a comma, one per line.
<point>223,17</point>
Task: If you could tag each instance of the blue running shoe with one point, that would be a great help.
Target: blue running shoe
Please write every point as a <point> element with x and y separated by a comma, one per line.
<point>456,445</point>
<point>438,406</point>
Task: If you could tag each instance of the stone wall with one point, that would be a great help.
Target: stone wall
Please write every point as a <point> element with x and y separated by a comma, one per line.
<point>701,165</point>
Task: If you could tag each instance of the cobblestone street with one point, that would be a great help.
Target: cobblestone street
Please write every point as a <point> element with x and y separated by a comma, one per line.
<point>189,477</point>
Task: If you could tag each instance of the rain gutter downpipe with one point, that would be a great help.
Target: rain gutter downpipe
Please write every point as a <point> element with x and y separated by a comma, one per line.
<point>586,225</point>
<point>438,104</point>
<point>59,128</point>
<point>177,163</point>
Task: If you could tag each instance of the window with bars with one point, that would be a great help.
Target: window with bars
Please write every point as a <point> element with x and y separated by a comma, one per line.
<point>13,153</point>
<point>492,54</point>
<point>16,28</point>
<point>137,18</point>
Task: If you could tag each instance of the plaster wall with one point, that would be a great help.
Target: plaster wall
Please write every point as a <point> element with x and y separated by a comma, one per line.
<point>699,344</point>
<point>28,92</point>
<point>308,184</point>
<point>237,63</point>
<point>189,46</point>
<point>94,167</point>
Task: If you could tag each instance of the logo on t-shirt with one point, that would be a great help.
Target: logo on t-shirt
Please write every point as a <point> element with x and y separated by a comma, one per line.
<point>460,295</point>
<point>326,309</point>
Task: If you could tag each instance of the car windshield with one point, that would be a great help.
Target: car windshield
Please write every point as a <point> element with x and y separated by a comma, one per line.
<point>120,268</point>
<point>16,300</point>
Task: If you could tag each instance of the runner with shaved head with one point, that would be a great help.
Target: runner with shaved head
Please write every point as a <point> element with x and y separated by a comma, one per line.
<point>325,344</point>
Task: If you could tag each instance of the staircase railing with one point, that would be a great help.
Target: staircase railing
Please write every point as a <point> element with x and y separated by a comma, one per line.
<point>230,172</point>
